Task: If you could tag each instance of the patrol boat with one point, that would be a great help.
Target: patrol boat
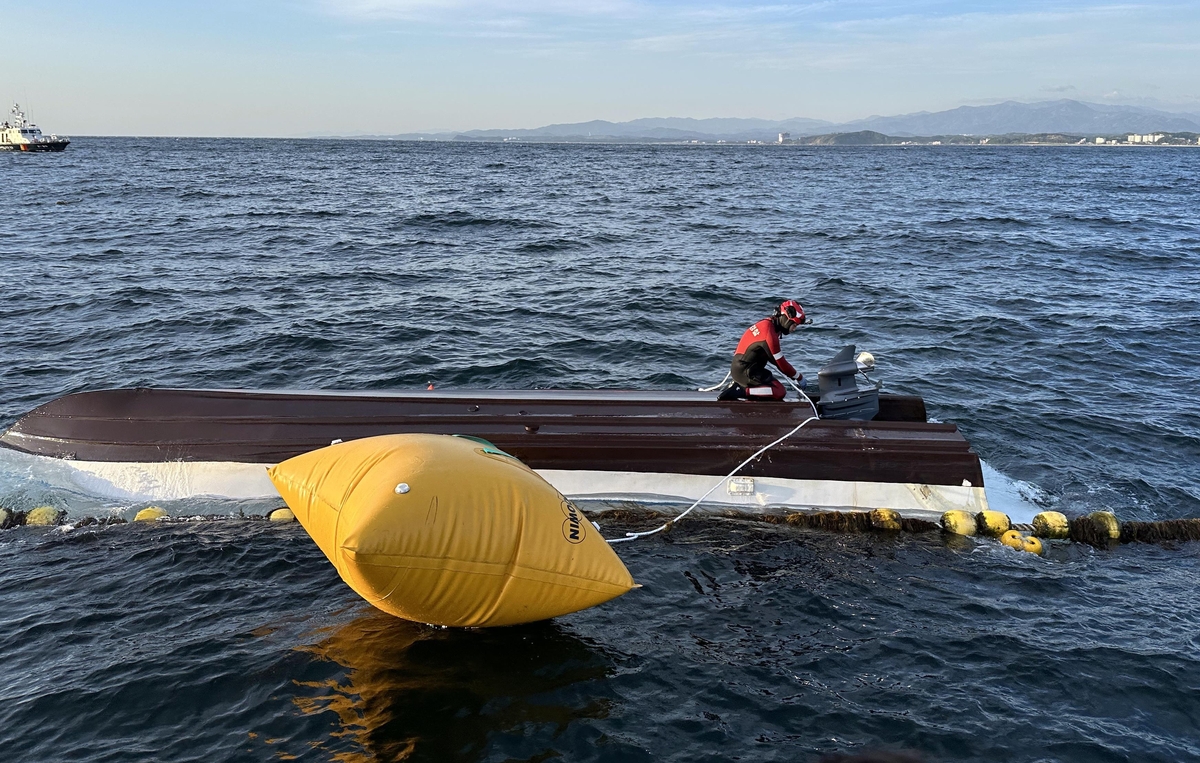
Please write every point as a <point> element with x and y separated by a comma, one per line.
<point>19,134</point>
<point>865,450</point>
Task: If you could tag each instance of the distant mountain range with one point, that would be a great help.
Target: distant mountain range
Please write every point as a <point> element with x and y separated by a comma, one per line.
<point>668,128</point>
<point>1047,116</point>
<point>1061,116</point>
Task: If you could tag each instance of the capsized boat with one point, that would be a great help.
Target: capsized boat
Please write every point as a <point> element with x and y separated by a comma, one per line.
<point>868,450</point>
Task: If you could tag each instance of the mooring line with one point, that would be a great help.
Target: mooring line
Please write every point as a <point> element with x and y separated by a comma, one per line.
<point>815,417</point>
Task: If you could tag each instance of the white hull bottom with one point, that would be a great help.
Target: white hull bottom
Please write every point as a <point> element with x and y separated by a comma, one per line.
<point>178,480</point>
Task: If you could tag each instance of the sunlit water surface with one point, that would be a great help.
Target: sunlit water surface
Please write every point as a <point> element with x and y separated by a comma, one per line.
<point>1045,300</point>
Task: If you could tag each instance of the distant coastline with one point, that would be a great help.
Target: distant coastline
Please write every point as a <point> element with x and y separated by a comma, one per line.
<point>858,138</point>
<point>1061,122</point>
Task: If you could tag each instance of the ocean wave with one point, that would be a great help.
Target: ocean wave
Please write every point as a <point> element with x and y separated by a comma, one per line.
<point>1040,300</point>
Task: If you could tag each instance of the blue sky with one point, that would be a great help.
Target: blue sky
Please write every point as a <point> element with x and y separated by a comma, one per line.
<point>301,67</point>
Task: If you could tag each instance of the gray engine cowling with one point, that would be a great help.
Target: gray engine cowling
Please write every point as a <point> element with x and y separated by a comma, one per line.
<point>841,395</point>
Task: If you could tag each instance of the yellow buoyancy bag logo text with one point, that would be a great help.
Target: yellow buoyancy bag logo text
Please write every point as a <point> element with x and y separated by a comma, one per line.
<point>574,526</point>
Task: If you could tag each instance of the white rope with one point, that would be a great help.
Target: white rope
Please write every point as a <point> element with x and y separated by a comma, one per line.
<point>718,386</point>
<point>815,417</point>
<point>801,393</point>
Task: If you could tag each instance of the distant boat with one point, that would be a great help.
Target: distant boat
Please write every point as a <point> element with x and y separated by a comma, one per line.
<point>19,134</point>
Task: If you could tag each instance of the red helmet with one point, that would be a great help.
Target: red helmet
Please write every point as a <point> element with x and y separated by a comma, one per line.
<point>793,311</point>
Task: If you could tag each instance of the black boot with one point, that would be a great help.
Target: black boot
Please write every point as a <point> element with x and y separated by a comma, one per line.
<point>732,392</point>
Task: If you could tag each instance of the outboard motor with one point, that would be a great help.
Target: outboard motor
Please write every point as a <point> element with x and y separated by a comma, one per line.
<point>841,397</point>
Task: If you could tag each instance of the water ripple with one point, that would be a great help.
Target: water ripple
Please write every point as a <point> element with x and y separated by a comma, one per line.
<point>1046,301</point>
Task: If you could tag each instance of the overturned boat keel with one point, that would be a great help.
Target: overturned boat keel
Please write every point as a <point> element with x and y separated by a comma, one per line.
<point>648,447</point>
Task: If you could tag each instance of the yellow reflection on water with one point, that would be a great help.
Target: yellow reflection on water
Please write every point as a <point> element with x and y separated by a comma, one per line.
<point>413,691</point>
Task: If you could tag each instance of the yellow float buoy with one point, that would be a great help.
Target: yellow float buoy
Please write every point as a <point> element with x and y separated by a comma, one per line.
<point>1108,522</point>
<point>885,519</point>
<point>43,516</point>
<point>449,531</point>
<point>1051,524</point>
<point>1013,539</point>
<point>282,515</point>
<point>149,514</point>
<point>958,522</point>
<point>993,523</point>
<point>1032,545</point>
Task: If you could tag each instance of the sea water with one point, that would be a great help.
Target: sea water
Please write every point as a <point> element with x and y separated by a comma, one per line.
<point>1045,300</point>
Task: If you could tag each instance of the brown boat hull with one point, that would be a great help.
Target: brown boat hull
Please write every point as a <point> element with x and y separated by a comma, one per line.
<point>562,430</point>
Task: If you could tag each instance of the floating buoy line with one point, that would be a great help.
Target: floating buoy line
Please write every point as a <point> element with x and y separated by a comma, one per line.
<point>1099,529</point>
<point>51,516</point>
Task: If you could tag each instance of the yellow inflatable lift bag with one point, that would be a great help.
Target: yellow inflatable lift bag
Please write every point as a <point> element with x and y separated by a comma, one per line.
<point>449,531</point>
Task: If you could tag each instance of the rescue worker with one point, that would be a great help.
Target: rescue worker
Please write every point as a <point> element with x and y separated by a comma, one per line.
<point>760,346</point>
